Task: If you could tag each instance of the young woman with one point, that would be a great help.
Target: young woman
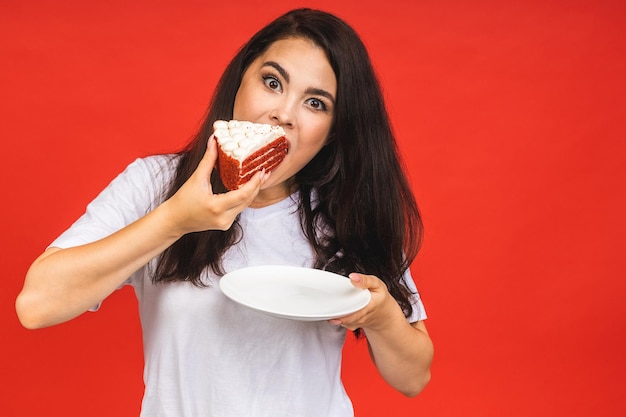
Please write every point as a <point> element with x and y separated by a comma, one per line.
<point>168,227</point>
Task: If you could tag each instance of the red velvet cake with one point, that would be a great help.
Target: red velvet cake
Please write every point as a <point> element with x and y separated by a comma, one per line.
<point>244,148</point>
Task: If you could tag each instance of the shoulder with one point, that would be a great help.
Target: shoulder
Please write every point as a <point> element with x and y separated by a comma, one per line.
<point>149,173</point>
<point>154,165</point>
<point>139,186</point>
<point>130,195</point>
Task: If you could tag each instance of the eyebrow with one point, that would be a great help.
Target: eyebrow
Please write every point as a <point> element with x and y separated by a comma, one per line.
<point>311,90</point>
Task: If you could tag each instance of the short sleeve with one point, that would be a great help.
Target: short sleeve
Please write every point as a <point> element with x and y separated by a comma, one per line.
<point>131,195</point>
<point>418,312</point>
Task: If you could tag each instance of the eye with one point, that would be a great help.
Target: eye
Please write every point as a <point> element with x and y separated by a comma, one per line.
<point>272,83</point>
<point>317,104</point>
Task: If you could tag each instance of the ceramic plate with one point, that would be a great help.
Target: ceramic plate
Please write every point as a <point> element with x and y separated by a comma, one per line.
<point>294,293</point>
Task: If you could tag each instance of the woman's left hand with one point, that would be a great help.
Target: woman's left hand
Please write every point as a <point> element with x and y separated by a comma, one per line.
<point>377,312</point>
<point>402,352</point>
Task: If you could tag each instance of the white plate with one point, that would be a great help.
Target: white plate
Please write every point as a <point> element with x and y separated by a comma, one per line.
<point>294,293</point>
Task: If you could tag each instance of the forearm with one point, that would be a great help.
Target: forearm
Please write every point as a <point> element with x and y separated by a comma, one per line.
<point>402,354</point>
<point>62,284</point>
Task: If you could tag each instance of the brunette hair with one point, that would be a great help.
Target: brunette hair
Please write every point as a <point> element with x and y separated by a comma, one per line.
<point>364,217</point>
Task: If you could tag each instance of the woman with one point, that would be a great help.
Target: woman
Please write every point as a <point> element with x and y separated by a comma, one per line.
<point>168,227</point>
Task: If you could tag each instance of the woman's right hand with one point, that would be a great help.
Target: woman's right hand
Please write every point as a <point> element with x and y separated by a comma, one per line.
<point>63,283</point>
<point>196,208</point>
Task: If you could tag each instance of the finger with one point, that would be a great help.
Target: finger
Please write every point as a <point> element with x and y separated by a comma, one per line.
<point>351,321</point>
<point>364,281</point>
<point>345,323</point>
<point>242,197</point>
<point>253,186</point>
<point>207,163</point>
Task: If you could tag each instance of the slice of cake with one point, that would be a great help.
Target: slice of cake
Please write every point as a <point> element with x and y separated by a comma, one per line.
<point>246,148</point>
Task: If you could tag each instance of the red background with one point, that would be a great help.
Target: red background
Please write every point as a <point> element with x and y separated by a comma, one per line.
<point>510,115</point>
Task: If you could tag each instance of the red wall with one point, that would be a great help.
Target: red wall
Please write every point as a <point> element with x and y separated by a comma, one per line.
<point>510,115</point>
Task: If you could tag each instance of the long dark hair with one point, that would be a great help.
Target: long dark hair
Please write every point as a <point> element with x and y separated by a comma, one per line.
<point>365,218</point>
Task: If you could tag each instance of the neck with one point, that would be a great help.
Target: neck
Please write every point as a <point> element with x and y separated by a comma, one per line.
<point>272,195</point>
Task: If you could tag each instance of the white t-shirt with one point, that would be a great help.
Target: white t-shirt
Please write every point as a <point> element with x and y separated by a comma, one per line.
<point>206,356</point>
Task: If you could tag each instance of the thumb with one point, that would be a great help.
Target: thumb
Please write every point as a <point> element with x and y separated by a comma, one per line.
<point>207,163</point>
<point>363,281</point>
<point>358,280</point>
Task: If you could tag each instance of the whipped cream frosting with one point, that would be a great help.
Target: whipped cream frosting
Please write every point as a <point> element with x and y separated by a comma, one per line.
<point>239,139</point>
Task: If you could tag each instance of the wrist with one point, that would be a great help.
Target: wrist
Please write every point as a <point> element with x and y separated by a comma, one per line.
<point>169,221</point>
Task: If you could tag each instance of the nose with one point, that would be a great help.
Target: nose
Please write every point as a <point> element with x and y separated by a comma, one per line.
<point>283,114</point>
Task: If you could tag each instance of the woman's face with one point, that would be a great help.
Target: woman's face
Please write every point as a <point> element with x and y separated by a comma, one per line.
<point>292,85</point>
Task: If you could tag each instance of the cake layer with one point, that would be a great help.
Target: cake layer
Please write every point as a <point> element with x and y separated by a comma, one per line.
<point>246,148</point>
